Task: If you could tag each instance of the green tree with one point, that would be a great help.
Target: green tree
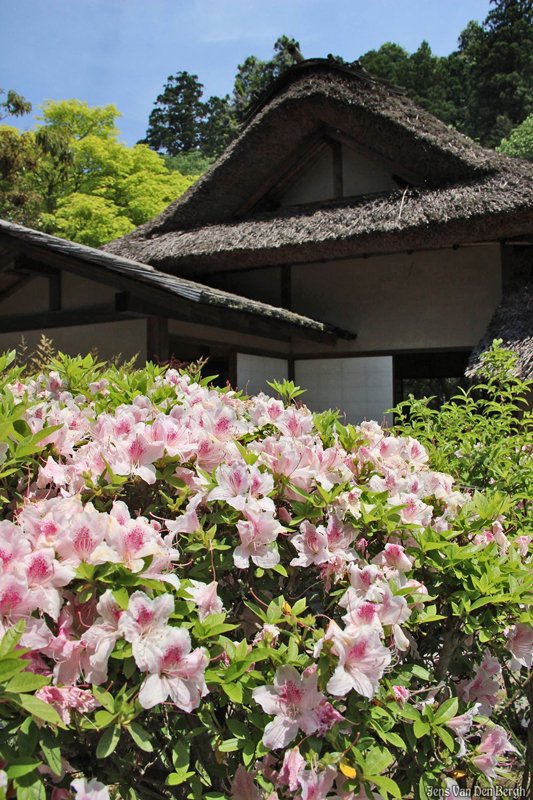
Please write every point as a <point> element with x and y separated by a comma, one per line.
<point>485,87</point>
<point>499,55</point>
<point>254,76</point>
<point>14,105</point>
<point>84,183</point>
<point>182,122</point>
<point>520,143</point>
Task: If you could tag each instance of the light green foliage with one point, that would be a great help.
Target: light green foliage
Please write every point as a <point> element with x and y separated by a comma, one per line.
<point>88,220</point>
<point>520,142</point>
<point>74,178</point>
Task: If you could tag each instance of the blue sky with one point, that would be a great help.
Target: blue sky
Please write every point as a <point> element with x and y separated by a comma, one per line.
<point>122,51</point>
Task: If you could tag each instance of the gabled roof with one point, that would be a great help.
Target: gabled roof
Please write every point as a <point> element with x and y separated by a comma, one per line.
<point>446,180</point>
<point>152,289</point>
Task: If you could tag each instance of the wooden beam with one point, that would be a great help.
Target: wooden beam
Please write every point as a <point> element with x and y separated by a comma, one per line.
<point>157,338</point>
<point>412,178</point>
<point>213,316</point>
<point>286,287</point>
<point>61,319</point>
<point>287,171</point>
<point>338,189</point>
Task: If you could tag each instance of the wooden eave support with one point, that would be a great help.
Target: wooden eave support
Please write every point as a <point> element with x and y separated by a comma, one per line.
<point>61,319</point>
<point>213,316</point>
<point>138,298</point>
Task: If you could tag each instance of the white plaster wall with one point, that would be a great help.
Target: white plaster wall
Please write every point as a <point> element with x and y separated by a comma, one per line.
<point>360,387</point>
<point>253,372</point>
<point>127,338</point>
<point>434,299</point>
<point>360,175</point>
<point>79,292</point>
<point>315,184</point>
<point>30,299</point>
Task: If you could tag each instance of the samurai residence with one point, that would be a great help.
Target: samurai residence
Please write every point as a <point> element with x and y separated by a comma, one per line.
<point>347,239</point>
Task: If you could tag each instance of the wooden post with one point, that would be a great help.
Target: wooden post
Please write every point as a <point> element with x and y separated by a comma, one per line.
<point>338,189</point>
<point>286,287</point>
<point>157,338</point>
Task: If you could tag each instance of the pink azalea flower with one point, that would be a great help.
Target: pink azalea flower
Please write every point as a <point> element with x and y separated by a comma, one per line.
<point>495,741</point>
<point>293,765</point>
<point>483,686</point>
<point>243,786</point>
<point>175,672</point>
<point>394,556</point>
<point>327,716</point>
<point>315,785</point>
<point>257,533</point>
<point>522,544</point>
<point>13,546</point>
<point>312,545</point>
<point>401,694</point>
<point>362,662</point>
<point>206,598</point>
<point>100,638</point>
<point>461,726</point>
<point>520,645</point>
<point>66,699</point>
<point>269,634</point>
<point>89,790</point>
<point>144,624</point>
<point>293,700</point>
<point>136,456</point>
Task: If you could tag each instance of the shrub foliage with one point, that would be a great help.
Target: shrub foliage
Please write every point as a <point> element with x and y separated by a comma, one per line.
<point>208,595</point>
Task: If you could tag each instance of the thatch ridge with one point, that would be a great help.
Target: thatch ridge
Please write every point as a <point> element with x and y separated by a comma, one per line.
<point>323,93</point>
<point>495,206</point>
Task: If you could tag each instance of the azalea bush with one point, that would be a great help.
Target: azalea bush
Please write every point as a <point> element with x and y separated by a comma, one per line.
<point>208,595</point>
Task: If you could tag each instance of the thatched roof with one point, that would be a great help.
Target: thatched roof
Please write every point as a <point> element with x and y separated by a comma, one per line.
<point>464,192</point>
<point>145,282</point>
<point>513,323</point>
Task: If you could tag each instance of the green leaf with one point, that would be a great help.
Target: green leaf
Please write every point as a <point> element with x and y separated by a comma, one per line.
<point>51,751</point>
<point>22,766</point>
<point>140,737</point>
<point>446,738</point>
<point>31,787</point>
<point>420,728</point>
<point>108,742</point>
<point>37,708</point>
<point>394,739</point>
<point>11,638</point>
<point>446,711</point>
<point>387,784</point>
<point>234,692</point>
<point>378,760</point>
<point>238,729</point>
<point>27,682</point>
<point>27,737</point>
<point>10,667</point>
<point>229,746</point>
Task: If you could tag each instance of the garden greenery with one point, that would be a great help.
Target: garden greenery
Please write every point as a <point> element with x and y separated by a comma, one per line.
<point>208,595</point>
